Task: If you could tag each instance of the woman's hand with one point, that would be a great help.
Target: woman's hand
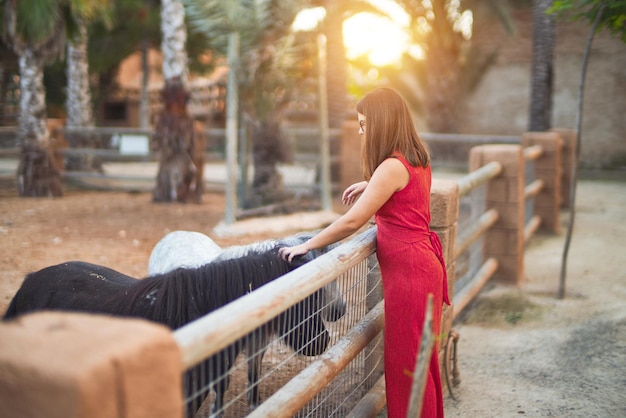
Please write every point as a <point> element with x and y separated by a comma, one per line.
<point>352,192</point>
<point>288,253</point>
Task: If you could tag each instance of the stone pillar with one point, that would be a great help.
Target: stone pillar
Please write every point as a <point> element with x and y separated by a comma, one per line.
<point>444,214</point>
<point>505,239</point>
<point>69,365</point>
<point>548,169</point>
<point>568,163</point>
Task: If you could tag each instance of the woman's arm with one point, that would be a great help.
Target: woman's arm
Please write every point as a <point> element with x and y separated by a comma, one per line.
<point>352,192</point>
<point>389,177</point>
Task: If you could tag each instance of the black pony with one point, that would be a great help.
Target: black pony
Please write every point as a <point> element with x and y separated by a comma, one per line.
<point>174,299</point>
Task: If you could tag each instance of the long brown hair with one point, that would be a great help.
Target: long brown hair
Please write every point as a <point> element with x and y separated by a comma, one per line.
<point>389,129</point>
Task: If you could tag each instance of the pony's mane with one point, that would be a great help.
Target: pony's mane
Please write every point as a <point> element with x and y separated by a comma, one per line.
<point>182,295</point>
<point>237,251</point>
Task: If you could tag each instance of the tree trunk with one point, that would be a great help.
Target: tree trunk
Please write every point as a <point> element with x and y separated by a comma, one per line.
<point>144,101</point>
<point>541,77</point>
<point>180,176</point>
<point>579,121</point>
<point>337,97</point>
<point>336,71</point>
<point>79,106</point>
<point>174,39</point>
<point>443,68</point>
<point>181,164</point>
<point>267,184</point>
<point>37,174</point>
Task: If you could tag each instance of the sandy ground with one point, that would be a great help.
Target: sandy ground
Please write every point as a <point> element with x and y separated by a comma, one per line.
<point>524,352</point>
<point>521,351</point>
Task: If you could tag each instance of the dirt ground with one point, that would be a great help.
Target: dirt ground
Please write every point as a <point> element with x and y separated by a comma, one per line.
<point>521,351</point>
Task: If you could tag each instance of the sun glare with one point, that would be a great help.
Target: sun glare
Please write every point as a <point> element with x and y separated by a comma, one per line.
<point>308,19</point>
<point>381,39</point>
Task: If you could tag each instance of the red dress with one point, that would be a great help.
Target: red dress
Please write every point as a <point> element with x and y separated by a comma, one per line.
<point>411,266</point>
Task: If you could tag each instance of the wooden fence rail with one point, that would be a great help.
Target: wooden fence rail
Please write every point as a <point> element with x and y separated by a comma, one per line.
<point>500,229</point>
<point>208,335</point>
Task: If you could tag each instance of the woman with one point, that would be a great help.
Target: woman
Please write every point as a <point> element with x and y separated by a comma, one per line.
<point>396,167</point>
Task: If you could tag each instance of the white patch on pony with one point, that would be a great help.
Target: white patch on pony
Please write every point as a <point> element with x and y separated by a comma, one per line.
<point>198,250</point>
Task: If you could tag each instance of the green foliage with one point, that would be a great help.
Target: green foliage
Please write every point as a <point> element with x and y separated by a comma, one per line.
<point>613,13</point>
<point>55,82</point>
<point>132,22</point>
<point>273,59</point>
<point>36,19</point>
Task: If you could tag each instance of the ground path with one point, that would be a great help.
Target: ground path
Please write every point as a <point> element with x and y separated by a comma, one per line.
<point>522,352</point>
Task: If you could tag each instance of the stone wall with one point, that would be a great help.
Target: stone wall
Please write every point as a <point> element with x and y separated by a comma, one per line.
<point>499,105</point>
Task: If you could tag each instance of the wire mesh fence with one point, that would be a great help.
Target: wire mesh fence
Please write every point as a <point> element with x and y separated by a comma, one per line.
<point>471,207</point>
<point>240,377</point>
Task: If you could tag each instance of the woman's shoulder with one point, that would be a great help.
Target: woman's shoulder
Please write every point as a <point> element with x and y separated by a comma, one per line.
<point>394,172</point>
<point>399,160</point>
<point>394,162</point>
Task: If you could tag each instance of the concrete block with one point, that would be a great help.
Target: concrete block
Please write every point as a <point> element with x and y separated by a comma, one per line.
<point>444,203</point>
<point>69,365</point>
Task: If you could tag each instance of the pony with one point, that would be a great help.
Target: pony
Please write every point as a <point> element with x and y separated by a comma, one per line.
<point>192,249</point>
<point>175,299</point>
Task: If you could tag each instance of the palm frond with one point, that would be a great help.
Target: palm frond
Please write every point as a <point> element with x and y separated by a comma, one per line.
<point>36,20</point>
<point>271,59</point>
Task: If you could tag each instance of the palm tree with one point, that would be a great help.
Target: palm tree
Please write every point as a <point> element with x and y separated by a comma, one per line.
<point>37,38</point>
<point>451,67</point>
<point>272,63</point>
<point>36,31</point>
<point>337,63</point>
<point>8,67</point>
<point>433,84</point>
<point>78,105</point>
<point>181,161</point>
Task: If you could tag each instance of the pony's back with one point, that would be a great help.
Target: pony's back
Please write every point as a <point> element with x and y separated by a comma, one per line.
<point>70,286</point>
<point>191,249</point>
<point>183,295</point>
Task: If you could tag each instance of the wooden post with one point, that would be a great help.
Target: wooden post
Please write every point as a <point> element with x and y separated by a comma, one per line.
<point>504,241</point>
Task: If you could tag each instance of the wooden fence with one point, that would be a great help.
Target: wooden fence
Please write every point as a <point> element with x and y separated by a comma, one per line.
<point>513,191</point>
<point>505,205</point>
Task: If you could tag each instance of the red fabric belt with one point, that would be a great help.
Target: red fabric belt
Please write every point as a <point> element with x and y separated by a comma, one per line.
<point>436,243</point>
